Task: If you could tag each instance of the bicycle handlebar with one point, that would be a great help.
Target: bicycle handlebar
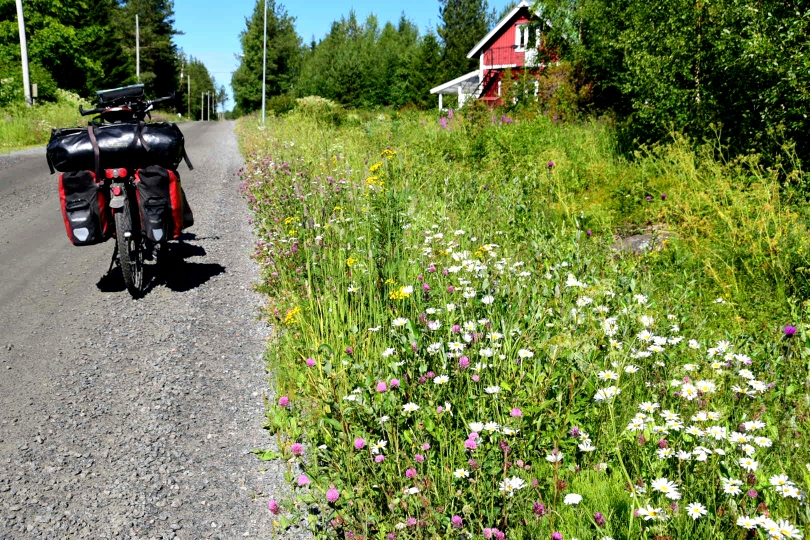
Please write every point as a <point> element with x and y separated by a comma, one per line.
<point>90,111</point>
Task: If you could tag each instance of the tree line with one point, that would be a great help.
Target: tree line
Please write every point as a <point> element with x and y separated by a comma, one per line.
<point>358,63</point>
<point>87,45</point>
<point>733,71</point>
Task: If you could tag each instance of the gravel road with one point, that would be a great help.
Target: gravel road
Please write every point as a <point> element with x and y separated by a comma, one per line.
<point>122,418</point>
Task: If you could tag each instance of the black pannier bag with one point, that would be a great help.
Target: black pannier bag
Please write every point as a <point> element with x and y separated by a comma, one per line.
<point>129,146</point>
<point>162,203</point>
<point>85,208</point>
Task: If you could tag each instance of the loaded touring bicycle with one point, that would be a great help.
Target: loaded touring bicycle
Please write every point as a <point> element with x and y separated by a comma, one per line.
<point>119,180</point>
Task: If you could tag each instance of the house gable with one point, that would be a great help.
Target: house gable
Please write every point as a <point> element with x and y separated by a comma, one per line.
<point>504,31</point>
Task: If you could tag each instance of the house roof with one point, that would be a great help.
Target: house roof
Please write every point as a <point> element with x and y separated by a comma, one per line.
<point>498,27</point>
<point>468,83</point>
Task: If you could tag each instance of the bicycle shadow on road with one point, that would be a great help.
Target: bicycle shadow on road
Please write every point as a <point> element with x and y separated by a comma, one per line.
<point>177,273</point>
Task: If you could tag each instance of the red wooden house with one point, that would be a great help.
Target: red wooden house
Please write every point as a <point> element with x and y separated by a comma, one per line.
<point>512,44</point>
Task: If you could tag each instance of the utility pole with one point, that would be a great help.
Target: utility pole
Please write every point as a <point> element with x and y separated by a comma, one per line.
<point>24,53</point>
<point>202,105</point>
<point>137,48</point>
<point>189,97</point>
<point>264,62</point>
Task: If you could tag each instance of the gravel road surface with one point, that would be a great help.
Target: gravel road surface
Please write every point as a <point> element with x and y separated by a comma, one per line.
<point>124,418</point>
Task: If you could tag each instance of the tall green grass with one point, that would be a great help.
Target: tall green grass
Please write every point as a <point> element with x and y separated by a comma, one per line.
<point>22,126</point>
<point>430,274</point>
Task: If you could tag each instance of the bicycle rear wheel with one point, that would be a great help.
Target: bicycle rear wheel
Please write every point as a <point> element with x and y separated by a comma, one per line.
<point>130,253</point>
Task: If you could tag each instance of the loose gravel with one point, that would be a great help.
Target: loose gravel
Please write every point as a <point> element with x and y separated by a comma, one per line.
<point>144,425</point>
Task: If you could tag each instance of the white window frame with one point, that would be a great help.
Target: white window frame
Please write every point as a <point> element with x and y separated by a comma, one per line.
<point>521,37</point>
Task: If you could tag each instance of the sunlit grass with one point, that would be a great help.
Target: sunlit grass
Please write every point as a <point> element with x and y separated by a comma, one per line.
<point>449,295</point>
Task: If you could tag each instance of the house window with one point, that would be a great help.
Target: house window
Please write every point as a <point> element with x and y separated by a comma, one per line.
<point>521,37</point>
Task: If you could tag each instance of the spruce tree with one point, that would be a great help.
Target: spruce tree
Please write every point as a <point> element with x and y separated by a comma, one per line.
<point>160,66</point>
<point>283,56</point>
<point>464,23</point>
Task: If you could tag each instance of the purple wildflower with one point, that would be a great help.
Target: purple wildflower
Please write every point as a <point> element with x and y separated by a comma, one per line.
<point>273,506</point>
<point>332,495</point>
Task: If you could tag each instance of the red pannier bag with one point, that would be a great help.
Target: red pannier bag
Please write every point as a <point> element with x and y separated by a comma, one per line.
<point>85,208</point>
<point>162,202</point>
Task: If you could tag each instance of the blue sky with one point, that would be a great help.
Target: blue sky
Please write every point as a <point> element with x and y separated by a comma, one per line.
<point>212,27</point>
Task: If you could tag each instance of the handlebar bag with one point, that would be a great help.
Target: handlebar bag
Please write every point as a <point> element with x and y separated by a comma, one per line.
<point>85,208</point>
<point>130,146</point>
<point>162,203</point>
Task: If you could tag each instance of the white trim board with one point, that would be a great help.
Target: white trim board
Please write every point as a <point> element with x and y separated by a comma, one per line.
<point>441,89</point>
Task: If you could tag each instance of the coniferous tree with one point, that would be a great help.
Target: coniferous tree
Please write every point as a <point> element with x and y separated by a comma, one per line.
<point>201,82</point>
<point>427,70</point>
<point>464,23</point>
<point>283,56</point>
<point>160,65</point>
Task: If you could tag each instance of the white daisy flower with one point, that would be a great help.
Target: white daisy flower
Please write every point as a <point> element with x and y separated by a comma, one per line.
<point>695,510</point>
<point>572,499</point>
<point>410,407</point>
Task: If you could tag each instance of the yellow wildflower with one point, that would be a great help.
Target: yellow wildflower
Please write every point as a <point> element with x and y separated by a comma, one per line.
<point>401,293</point>
<point>289,318</point>
<point>289,220</point>
<point>375,167</point>
<point>350,261</point>
<point>388,153</point>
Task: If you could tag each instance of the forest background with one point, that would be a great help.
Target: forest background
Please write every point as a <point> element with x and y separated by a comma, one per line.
<point>733,72</point>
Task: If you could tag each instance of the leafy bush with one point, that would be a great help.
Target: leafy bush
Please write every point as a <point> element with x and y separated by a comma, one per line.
<point>321,109</point>
<point>734,66</point>
<point>281,104</point>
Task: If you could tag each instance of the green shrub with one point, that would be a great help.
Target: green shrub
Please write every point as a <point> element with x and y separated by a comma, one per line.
<point>321,109</point>
<point>281,104</point>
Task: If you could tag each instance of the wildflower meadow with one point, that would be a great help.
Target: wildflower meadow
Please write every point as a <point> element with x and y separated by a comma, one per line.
<point>462,352</point>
